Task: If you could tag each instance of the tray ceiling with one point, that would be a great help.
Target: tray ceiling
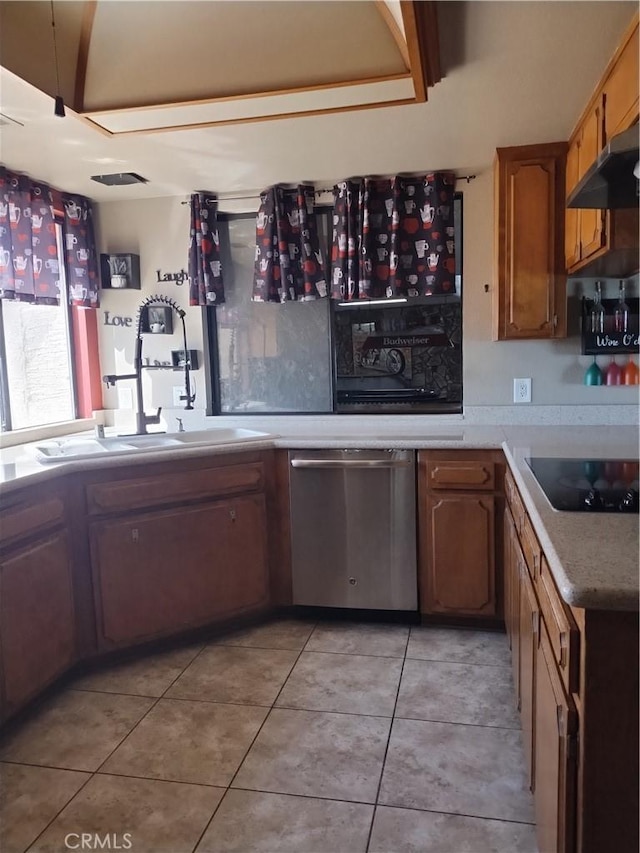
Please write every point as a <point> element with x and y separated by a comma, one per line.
<point>144,66</point>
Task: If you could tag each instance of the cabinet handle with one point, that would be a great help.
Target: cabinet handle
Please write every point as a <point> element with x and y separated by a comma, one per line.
<point>560,720</point>
<point>232,514</point>
<point>563,649</point>
<point>535,622</point>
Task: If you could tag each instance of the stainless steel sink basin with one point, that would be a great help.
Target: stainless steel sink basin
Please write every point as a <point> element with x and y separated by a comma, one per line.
<point>67,449</point>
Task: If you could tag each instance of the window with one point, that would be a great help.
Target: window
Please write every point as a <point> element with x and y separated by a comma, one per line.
<point>36,374</point>
<point>317,357</point>
<point>269,357</point>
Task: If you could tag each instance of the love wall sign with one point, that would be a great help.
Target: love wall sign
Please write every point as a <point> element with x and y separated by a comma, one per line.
<point>117,320</point>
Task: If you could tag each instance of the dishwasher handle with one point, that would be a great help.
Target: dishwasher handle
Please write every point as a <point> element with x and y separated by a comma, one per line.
<point>349,463</point>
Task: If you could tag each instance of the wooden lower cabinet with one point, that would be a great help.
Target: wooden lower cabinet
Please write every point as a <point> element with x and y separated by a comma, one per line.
<point>460,496</point>
<point>37,630</point>
<point>461,555</point>
<point>512,598</point>
<point>529,623</point>
<point>555,725</point>
<point>160,573</point>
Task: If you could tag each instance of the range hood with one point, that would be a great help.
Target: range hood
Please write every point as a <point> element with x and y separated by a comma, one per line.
<point>612,181</point>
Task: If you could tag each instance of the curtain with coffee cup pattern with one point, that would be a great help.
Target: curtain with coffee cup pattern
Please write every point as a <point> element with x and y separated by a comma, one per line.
<point>206,286</point>
<point>80,251</point>
<point>288,264</point>
<point>29,262</point>
<point>29,266</point>
<point>393,237</point>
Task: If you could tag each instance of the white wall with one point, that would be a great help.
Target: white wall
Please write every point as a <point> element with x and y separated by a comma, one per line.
<point>158,230</point>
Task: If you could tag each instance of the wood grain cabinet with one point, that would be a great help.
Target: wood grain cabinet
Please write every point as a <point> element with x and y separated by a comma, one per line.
<point>162,570</point>
<point>37,613</point>
<point>604,242</point>
<point>529,292</point>
<point>576,675</point>
<point>458,499</point>
<point>162,573</point>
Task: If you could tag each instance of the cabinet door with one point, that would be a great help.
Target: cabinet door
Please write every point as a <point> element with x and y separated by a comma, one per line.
<point>621,89</point>
<point>37,634</point>
<point>529,296</point>
<point>460,559</point>
<point>572,216</point>
<point>529,628</point>
<point>512,559</point>
<point>592,233</point>
<point>555,745</point>
<point>160,573</point>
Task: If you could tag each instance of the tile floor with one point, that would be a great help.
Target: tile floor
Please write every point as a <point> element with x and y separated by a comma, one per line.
<point>292,736</point>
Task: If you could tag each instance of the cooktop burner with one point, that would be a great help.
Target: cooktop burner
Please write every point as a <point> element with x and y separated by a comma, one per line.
<point>589,485</point>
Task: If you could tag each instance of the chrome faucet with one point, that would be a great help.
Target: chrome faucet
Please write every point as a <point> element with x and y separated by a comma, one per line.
<point>143,420</point>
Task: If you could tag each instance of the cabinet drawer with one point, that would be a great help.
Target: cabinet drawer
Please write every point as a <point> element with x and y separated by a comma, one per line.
<point>174,488</point>
<point>24,518</point>
<point>530,547</point>
<point>562,630</point>
<point>513,499</point>
<point>461,475</point>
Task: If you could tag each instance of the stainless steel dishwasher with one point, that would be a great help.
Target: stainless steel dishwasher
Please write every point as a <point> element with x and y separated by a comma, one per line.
<point>353,528</point>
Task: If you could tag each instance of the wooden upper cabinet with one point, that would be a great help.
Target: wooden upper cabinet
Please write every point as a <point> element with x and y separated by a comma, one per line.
<point>604,242</point>
<point>529,286</point>
<point>621,85</point>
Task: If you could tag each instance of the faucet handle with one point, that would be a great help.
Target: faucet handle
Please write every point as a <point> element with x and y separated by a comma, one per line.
<point>180,425</point>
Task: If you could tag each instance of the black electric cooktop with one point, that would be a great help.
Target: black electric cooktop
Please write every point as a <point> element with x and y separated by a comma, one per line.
<point>589,485</point>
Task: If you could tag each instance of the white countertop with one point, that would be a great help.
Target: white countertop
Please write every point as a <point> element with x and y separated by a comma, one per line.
<point>593,557</point>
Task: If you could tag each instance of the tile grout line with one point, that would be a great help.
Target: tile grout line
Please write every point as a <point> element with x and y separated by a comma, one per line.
<point>93,773</point>
<point>386,751</point>
<point>257,734</point>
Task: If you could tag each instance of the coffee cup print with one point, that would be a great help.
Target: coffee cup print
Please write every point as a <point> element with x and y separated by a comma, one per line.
<point>412,292</point>
<point>427,213</point>
<point>261,220</point>
<point>71,241</point>
<point>342,242</point>
<point>409,206</point>
<point>4,210</point>
<point>432,261</point>
<point>37,266</point>
<point>74,212</point>
<point>82,255</point>
<point>393,260</point>
<point>395,219</point>
<point>264,265</point>
<point>216,267</point>
<point>388,203</point>
<point>443,210</point>
<point>450,231</point>
<point>78,292</point>
<point>368,266</point>
<point>321,287</point>
<point>450,246</point>
<point>307,249</point>
<point>412,279</point>
<point>20,263</point>
<point>36,223</point>
<point>382,254</point>
<point>293,250</point>
<point>351,243</point>
<point>337,276</point>
<point>5,257</point>
<point>421,248</point>
<point>14,213</point>
<point>382,238</point>
<point>406,261</point>
<point>294,218</point>
<point>411,190</point>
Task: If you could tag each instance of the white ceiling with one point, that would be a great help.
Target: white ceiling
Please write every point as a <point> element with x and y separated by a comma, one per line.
<point>514,73</point>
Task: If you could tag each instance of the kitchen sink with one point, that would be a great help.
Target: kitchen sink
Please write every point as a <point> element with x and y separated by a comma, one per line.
<point>67,449</point>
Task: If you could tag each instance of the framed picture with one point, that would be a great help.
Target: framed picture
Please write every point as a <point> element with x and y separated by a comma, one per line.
<point>158,320</point>
<point>120,271</point>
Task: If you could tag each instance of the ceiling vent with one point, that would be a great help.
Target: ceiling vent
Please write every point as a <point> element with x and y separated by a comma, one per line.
<point>120,179</point>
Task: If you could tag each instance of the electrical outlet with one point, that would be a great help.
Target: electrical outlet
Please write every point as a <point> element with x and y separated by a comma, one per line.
<point>522,390</point>
<point>178,391</point>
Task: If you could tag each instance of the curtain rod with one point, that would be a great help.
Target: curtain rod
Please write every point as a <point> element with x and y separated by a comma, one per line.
<point>321,191</point>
